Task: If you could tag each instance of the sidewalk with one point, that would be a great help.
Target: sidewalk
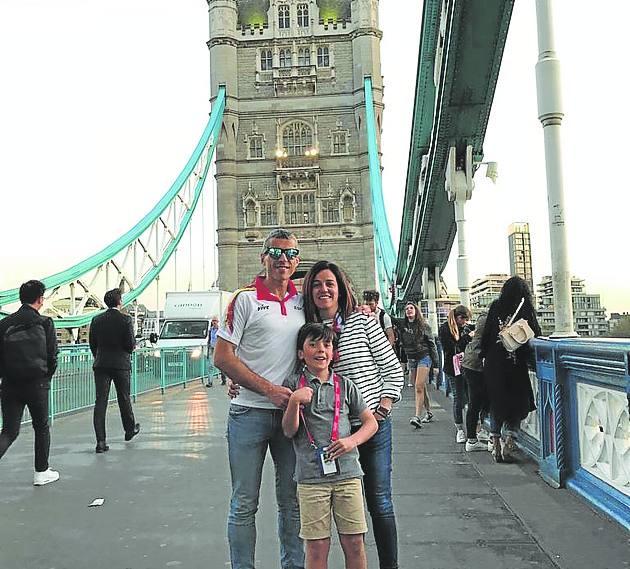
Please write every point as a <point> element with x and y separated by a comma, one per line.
<point>166,497</point>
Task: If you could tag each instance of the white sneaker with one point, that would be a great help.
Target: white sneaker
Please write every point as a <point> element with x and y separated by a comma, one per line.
<point>45,477</point>
<point>483,436</point>
<point>460,437</point>
<point>427,417</point>
<point>473,446</point>
<point>490,446</point>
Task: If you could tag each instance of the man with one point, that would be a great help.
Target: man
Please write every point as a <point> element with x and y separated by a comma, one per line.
<point>371,298</point>
<point>212,342</point>
<point>112,341</point>
<point>256,349</point>
<point>28,359</point>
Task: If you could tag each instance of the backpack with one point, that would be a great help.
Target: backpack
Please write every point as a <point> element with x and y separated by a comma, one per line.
<point>25,351</point>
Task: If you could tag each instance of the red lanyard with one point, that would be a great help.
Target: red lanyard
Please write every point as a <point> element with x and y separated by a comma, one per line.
<point>334,435</point>
<point>337,326</point>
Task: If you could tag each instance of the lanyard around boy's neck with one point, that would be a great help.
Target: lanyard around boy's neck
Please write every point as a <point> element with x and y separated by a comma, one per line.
<point>334,435</point>
<point>337,326</point>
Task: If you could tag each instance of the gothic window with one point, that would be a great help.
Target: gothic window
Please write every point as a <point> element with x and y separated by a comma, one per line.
<point>256,146</point>
<point>304,56</point>
<point>266,60</point>
<point>330,211</point>
<point>285,58</point>
<point>299,208</point>
<point>283,16</point>
<point>323,57</point>
<point>250,213</point>
<point>348,210</point>
<point>268,214</point>
<point>340,142</point>
<point>302,15</point>
<point>297,138</point>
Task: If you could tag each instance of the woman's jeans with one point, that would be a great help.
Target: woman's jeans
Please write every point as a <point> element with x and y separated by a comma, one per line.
<point>477,400</point>
<point>458,388</point>
<point>250,431</point>
<point>375,456</point>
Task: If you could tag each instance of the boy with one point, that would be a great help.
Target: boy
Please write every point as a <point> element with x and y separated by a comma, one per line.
<point>327,471</point>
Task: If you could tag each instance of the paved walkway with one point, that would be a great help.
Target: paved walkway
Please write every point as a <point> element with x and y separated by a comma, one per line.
<point>166,496</point>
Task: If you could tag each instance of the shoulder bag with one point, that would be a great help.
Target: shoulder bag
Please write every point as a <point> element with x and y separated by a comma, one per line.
<point>516,334</point>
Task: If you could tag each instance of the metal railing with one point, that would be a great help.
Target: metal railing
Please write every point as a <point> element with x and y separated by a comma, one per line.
<point>72,387</point>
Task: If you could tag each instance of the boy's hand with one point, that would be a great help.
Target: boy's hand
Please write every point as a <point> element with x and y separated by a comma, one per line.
<point>303,395</point>
<point>340,447</point>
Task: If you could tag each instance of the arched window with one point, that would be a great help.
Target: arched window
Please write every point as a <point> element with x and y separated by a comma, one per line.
<point>297,138</point>
<point>323,57</point>
<point>283,16</point>
<point>285,58</point>
<point>348,210</point>
<point>266,60</point>
<point>302,15</point>
<point>304,56</point>
<point>250,213</point>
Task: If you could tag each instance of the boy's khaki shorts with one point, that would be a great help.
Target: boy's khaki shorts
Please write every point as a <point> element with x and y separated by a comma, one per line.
<point>343,499</point>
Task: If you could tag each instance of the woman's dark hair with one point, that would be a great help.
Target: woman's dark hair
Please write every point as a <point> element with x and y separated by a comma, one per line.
<point>314,331</point>
<point>513,290</point>
<point>419,319</point>
<point>347,300</point>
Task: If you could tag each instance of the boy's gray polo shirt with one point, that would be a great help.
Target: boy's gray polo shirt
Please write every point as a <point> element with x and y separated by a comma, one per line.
<point>319,416</point>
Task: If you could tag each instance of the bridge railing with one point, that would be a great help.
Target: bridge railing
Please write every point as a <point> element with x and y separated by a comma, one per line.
<point>580,433</point>
<point>72,387</point>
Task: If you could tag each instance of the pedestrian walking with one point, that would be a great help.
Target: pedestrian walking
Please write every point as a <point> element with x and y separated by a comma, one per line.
<point>370,299</point>
<point>418,343</point>
<point>328,473</point>
<point>28,360</point>
<point>506,373</point>
<point>112,342</point>
<point>212,342</point>
<point>455,335</point>
<point>256,349</point>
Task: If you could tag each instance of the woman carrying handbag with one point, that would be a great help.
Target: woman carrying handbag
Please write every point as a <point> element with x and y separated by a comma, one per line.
<point>506,372</point>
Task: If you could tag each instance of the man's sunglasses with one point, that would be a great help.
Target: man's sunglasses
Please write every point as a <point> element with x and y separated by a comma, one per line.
<point>276,252</point>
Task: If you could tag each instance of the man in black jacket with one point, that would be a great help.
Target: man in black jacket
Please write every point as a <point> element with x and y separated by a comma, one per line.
<point>28,359</point>
<point>112,341</point>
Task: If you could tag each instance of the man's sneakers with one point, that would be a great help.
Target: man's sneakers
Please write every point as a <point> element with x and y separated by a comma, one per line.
<point>475,445</point>
<point>460,437</point>
<point>132,434</point>
<point>101,446</point>
<point>427,417</point>
<point>415,422</point>
<point>46,477</point>
<point>483,436</point>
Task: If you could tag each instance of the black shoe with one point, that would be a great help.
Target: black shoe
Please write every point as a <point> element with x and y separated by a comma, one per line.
<point>101,447</point>
<point>208,385</point>
<point>223,382</point>
<point>136,430</point>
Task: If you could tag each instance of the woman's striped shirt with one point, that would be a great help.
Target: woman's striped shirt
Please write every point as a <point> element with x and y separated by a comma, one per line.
<point>367,358</point>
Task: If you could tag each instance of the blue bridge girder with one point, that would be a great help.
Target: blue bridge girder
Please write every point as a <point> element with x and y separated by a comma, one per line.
<point>461,47</point>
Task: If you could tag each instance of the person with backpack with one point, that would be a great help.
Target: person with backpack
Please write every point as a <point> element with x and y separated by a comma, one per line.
<point>371,298</point>
<point>28,359</point>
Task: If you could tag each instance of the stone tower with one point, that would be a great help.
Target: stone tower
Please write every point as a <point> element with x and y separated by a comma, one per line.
<point>293,147</point>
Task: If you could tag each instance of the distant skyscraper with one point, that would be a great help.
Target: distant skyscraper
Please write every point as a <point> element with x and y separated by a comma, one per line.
<point>521,252</point>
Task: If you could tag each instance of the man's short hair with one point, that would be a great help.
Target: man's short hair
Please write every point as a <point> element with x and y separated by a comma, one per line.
<point>371,295</point>
<point>278,234</point>
<point>113,298</point>
<point>30,291</point>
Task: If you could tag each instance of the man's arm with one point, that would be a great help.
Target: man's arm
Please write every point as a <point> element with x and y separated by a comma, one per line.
<point>92,338</point>
<point>130,340</point>
<point>226,360</point>
<point>51,347</point>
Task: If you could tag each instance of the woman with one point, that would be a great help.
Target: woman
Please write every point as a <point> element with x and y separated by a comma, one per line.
<point>366,357</point>
<point>455,335</point>
<point>507,375</point>
<point>418,343</point>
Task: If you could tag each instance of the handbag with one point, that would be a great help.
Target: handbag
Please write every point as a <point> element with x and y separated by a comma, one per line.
<point>516,334</point>
<point>457,363</point>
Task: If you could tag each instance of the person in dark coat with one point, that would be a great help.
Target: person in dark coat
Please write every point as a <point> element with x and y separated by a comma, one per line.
<point>28,360</point>
<point>506,374</point>
<point>112,341</point>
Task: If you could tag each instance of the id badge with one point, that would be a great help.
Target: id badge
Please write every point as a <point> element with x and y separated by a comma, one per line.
<point>327,467</point>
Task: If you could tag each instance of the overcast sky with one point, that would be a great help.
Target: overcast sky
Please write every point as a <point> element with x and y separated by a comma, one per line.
<point>102,104</point>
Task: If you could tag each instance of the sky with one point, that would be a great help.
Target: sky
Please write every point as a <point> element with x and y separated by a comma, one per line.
<point>102,104</point>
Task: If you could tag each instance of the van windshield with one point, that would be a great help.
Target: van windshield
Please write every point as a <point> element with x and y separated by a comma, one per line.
<point>174,329</point>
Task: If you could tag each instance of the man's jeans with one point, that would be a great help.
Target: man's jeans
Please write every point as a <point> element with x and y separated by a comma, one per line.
<point>375,456</point>
<point>460,398</point>
<point>34,395</point>
<point>250,432</point>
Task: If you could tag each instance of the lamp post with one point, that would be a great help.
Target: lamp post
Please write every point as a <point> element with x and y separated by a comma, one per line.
<point>550,115</point>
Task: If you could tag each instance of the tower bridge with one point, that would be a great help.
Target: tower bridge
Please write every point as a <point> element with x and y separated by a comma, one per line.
<point>294,137</point>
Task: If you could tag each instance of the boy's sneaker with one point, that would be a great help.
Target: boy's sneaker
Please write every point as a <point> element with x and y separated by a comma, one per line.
<point>427,417</point>
<point>45,477</point>
<point>460,437</point>
<point>415,422</point>
<point>483,436</point>
<point>473,446</point>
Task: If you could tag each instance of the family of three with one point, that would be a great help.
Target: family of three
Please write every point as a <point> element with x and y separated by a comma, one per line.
<point>315,384</point>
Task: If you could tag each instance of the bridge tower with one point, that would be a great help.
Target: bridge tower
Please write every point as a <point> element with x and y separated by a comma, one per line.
<point>293,146</point>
